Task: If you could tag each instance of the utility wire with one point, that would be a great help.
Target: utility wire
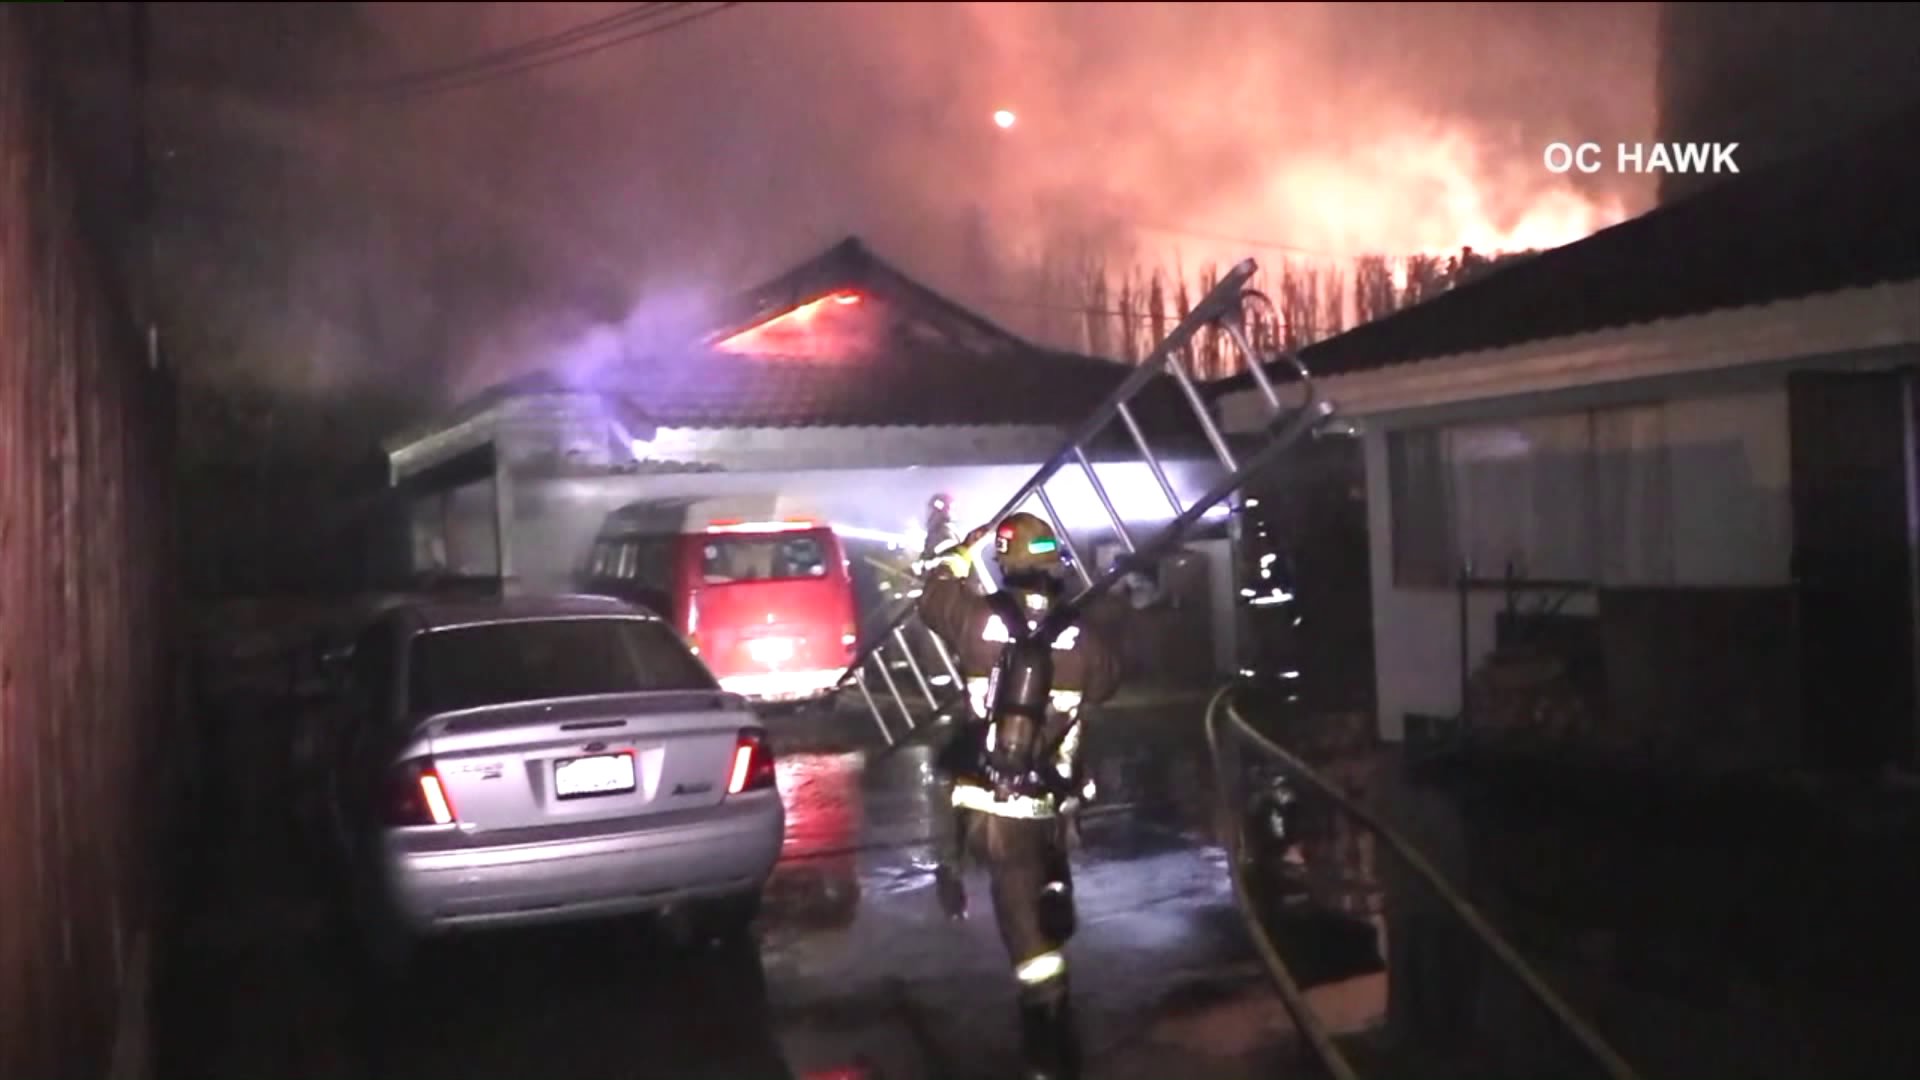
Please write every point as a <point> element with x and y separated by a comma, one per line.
<point>1170,316</point>
<point>582,41</point>
<point>533,47</point>
<point>1238,241</point>
<point>580,52</point>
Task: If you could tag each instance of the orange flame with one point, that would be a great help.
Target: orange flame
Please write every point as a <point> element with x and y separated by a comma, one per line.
<point>802,331</point>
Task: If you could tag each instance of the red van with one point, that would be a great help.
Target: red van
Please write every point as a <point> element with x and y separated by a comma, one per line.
<point>769,605</point>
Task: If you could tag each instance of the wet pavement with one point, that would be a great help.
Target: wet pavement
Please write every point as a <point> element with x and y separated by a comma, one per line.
<point>855,960</point>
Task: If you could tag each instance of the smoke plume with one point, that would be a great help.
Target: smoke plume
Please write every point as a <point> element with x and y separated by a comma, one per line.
<point>714,154</point>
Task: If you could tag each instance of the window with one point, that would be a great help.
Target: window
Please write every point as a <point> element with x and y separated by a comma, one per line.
<point>1576,497</point>
<point>644,559</point>
<point>536,660</point>
<point>731,559</point>
<point>1425,549</point>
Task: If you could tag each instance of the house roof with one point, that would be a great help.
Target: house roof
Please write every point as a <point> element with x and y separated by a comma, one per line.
<point>720,390</point>
<point>850,267</point>
<point>1827,221</point>
<point>902,357</point>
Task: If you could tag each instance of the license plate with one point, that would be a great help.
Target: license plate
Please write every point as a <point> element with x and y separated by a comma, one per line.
<point>772,650</point>
<point>603,774</point>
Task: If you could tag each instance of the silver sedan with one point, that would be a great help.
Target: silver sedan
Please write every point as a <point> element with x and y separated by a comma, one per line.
<point>517,761</point>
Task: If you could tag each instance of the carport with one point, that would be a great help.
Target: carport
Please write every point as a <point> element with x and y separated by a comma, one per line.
<point>842,391</point>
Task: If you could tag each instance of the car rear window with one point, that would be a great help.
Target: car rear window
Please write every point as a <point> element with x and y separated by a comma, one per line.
<point>471,667</point>
<point>729,559</point>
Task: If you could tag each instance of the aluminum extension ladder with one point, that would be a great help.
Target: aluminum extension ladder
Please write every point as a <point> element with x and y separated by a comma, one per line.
<point>1225,305</point>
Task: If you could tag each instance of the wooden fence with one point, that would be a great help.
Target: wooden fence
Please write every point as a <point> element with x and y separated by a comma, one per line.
<point>86,762</point>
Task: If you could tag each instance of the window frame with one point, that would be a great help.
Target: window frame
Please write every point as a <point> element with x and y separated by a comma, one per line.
<point>1422,459</point>
<point>822,551</point>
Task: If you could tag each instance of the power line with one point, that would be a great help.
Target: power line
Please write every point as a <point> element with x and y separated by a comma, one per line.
<point>571,54</point>
<point>1170,316</point>
<point>579,43</point>
<point>1240,241</point>
<point>545,43</point>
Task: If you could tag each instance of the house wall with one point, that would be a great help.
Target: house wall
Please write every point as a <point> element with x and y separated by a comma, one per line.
<point>1716,512</point>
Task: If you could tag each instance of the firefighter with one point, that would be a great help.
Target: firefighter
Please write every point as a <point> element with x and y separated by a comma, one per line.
<point>1012,774</point>
<point>940,532</point>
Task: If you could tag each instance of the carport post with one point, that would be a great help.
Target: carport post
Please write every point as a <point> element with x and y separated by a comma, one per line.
<point>502,518</point>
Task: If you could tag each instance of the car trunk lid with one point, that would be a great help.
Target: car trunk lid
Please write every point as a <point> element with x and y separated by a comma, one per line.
<point>569,761</point>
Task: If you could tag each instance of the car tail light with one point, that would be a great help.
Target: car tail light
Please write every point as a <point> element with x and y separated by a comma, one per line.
<point>752,768</point>
<point>416,796</point>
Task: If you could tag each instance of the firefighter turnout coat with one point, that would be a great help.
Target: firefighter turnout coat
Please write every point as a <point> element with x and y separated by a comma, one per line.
<point>1086,672</point>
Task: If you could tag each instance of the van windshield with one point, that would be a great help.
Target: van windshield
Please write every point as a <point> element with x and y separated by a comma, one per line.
<point>541,659</point>
<point>729,559</point>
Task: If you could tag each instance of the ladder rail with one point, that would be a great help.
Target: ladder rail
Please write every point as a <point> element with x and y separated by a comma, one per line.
<point>1221,303</point>
<point>1216,304</point>
<point>1294,428</point>
<point>1224,304</point>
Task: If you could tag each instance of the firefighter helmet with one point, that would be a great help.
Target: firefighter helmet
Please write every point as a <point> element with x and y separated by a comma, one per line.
<point>1026,543</point>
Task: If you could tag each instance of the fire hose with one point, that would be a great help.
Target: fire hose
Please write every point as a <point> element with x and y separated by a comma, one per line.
<point>1291,995</point>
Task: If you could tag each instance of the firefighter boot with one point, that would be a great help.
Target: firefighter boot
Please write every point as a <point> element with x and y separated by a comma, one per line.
<point>1049,1044</point>
<point>952,891</point>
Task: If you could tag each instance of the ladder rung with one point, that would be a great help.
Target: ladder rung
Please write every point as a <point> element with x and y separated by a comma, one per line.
<point>1200,413</point>
<point>1066,540</point>
<point>939,646</point>
<point>1213,305</point>
<point>1153,463</point>
<point>860,680</point>
<point>886,674</point>
<point>1299,424</point>
<point>1237,331</point>
<point>913,665</point>
<point>1225,302</point>
<point>1100,489</point>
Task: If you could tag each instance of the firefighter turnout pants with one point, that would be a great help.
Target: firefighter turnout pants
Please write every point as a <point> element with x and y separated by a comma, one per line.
<point>1033,907</point>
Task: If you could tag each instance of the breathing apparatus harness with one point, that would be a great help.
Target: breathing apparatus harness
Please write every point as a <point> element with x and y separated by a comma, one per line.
<point>1022,737</point>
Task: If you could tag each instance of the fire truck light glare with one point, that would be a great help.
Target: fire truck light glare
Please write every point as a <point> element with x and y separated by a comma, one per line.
<point>1004,119</point>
